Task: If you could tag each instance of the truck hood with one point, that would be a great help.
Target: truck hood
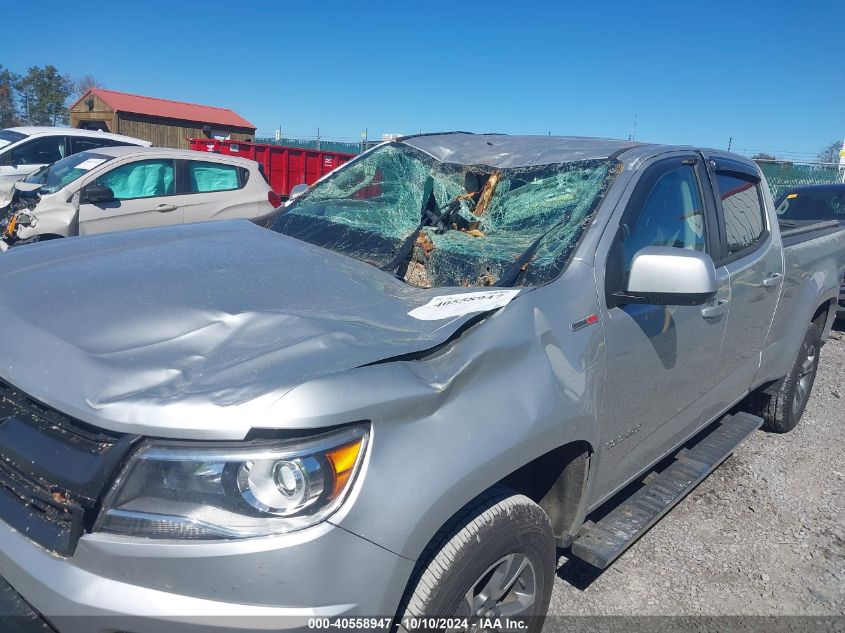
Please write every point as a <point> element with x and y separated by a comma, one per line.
<point>195,331</point>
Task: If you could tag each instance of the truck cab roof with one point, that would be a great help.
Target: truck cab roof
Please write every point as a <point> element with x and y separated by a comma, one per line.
<point>509,151</point>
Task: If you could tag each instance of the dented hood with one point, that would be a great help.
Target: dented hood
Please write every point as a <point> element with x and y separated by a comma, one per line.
<point>197,330</point>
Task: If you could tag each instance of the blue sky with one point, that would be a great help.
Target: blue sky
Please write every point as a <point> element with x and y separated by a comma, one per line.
<point>769,74</point>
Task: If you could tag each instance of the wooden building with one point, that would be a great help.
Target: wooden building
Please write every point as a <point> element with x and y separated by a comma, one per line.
<point>162,122</point>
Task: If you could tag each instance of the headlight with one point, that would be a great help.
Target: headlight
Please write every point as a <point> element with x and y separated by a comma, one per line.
<point>214,490</point>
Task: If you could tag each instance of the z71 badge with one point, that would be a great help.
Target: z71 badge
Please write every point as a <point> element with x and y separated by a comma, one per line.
<point>590,320</point>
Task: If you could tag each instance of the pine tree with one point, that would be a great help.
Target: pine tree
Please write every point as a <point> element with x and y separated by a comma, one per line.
<point>8,108</point>
<point>43,96</point>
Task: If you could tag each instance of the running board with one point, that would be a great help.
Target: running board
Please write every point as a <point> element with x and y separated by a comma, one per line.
<point>601,543</point>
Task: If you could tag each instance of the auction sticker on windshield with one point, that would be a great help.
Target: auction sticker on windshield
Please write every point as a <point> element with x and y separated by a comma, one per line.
<point>447,306</point>
<point>87,165</point>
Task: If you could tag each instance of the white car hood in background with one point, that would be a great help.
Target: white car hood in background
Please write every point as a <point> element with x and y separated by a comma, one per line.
<point>199,329</point>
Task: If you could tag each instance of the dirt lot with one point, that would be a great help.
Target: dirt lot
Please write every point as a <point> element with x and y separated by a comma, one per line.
<point>764,535</point>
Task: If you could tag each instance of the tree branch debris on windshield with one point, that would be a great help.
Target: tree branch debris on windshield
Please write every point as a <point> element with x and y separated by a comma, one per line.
<point>438,224</point>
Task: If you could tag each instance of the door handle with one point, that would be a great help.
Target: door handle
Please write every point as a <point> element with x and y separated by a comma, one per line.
<point>715,310</point>
<point>166,208</point>
<point>772,280</point>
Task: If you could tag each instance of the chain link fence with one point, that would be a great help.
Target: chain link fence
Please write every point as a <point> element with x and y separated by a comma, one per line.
<point>345,147</point>
<point>785,174</point>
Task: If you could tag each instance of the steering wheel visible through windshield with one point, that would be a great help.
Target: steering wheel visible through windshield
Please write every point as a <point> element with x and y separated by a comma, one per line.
<point>439,224</point>
<point>63,172</point>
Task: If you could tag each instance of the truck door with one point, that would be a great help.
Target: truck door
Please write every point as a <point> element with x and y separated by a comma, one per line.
<point>661,360</point>
<point>755,266</point>
<point>144,195</point>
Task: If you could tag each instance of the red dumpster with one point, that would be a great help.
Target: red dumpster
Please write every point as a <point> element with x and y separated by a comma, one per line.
<point>283,166</point>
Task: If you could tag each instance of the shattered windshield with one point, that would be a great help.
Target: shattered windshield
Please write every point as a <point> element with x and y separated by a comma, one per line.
<point>65,171</point>
<point>435,224</point>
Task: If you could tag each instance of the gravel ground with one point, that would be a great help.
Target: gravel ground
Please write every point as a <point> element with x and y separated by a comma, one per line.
<point>764,535</point>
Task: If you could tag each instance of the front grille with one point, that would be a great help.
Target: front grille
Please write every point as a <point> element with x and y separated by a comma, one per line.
<point>53,470</point>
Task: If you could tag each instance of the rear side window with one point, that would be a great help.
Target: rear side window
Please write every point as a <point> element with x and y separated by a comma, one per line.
<point>39,151</point>
<point>141,179</point>
<point>83,144</point>
<point>672,215</point>
<point>206,177</point>
<point>743,211</point>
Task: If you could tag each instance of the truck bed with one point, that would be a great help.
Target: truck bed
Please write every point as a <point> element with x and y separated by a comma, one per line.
<point>795,231</point>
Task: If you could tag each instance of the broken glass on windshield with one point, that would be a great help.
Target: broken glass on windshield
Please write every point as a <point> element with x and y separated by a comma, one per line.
<point>461,225</point>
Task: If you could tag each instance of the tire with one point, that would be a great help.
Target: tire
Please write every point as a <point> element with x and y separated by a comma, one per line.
<point>782,411</point>
<point>497,534</point>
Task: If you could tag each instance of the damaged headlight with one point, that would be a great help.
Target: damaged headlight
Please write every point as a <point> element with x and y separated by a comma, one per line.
<point>181,490</point>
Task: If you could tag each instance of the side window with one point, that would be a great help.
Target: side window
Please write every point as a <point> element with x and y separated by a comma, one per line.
<point>205,177</point>
<point>743,211</point>
<point>39,151</point>
<point>141,179</point>
<point>82,144</point>
<point>672,215</point>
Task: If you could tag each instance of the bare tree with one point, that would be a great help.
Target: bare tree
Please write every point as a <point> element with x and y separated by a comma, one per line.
<point>763,156</point>
<point>83,85</point>
<point>829,153</point>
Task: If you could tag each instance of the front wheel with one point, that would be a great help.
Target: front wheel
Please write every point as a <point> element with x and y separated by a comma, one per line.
<point>782,411</point>
<point>491,567</point>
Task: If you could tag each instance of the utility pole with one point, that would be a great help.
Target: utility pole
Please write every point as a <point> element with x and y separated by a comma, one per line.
<point>842,161</point>
<point>730,140</point>
<point>318,138</point>
<point>633,135</point>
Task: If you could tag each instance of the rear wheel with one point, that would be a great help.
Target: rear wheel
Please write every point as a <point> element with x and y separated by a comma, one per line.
<point>492,565</point>
<point>782,411</point>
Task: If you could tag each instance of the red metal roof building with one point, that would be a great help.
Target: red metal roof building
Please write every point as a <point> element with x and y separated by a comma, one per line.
<point>163,122</point>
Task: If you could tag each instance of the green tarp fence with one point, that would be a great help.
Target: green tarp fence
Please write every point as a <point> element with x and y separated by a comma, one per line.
<point>784,174</point>
<point>326,146</point>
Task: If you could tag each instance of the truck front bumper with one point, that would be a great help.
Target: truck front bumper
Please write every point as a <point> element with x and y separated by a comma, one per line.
<point>137,585</point>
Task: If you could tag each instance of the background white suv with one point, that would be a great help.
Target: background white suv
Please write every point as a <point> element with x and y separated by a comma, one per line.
<point>24,150</point>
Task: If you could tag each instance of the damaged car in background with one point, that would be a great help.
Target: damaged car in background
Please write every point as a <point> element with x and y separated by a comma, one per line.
<point>120,188</point>
<point>24,150</point>
<point>438,366</point>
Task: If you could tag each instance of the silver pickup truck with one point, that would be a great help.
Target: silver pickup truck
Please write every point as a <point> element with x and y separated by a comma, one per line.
<point>439,366</point>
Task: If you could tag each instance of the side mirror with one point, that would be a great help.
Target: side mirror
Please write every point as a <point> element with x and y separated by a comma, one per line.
<point>663,275</point>
<point>298,190</point>
<point>94,194</point>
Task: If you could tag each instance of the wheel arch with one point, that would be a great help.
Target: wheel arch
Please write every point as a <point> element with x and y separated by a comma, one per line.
<point>557,482</point>
<point>824,316</point>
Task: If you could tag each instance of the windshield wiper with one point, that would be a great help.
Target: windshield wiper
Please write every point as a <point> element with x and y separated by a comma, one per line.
<point>513,272</point>
<point>402,259</point>
<point>438,218</point>
<point>520,264</point>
